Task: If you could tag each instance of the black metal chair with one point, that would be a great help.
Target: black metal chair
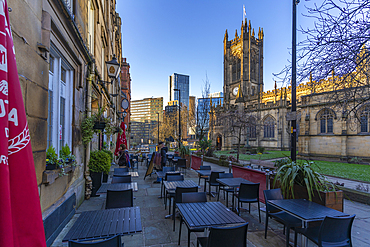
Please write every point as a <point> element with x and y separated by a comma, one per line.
<point>165,170</point>
<point>134,162</point>
<point>178,199</point>
<point>119,199</point>
<point>226,189</point>
<point>249,193</point>
<point>121,179</point>
<point>333,231</point>
<point>181,163</point>
<point>225,236</point>
<point>212,181</point>
<point>189,198</point>
<point>170,195</point>
<point>203,168</point>
<point>114,241</point>
<point>284,218</point>
<point>118,171</point>
<point>168,169</point>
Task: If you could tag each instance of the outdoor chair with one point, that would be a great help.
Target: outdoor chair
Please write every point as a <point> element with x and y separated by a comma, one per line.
<point>284,218</point>
<point>249,193</point>
<point>333,231</point>
<point>118,171</point>
<point>212,181</point>
<point>229,236</point>
<point>189,198</point>
<point>165,170</point>
<point>226,190</point>
<point>169,196</point>
<point>181,163</point>
<point>178,199</point>
<point>134,162</point>
<point>168,169</point>
<point>119,199</point>
<point>114,241</point>
<point>203,168</point>
<point>121,179</point>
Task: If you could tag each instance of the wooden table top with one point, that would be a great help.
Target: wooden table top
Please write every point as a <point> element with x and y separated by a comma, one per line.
<point>105,223</point>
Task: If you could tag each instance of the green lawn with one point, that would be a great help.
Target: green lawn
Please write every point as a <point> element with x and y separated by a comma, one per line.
<point>266,156</point>
<point>344,170</point>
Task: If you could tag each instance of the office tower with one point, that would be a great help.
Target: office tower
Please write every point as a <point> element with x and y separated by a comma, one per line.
<point>178,81</point>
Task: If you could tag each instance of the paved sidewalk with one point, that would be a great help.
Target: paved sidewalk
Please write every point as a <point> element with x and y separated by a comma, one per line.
<point>157,231</point>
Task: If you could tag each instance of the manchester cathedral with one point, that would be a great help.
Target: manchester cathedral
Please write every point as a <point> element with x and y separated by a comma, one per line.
<point>322,129</point>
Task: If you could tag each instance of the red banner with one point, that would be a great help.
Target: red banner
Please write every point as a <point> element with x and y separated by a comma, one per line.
<point>20,212</point>
<point>121,139</point>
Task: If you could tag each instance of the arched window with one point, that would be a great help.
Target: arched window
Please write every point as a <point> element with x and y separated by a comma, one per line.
<point>252,132</point>
<point>269,128</point>
<point>326,122</point>
<point>365,119</point>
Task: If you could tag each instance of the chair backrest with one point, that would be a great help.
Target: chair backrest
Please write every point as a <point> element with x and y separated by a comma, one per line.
<point>214,176</point>
<point>120,170</point>
<point>194,197</point>
<point>232,236</point>
<point>225,175</point>
<point>181,163</point>
<point>274,194</point>
<point>205,168</point>
<point>168,169</point>
<point>336,231</point>
<point>121,179</point>
<point>170,175</point>
<point>249,191</point>
<point>180,190</point>
<point>119,199</point>
<point>114,241</point>
<point>175,177</point>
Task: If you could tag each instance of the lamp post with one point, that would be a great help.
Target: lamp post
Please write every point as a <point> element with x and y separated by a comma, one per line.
<point>158,126</point>
<point>293,153</point>
<point>179,115</point>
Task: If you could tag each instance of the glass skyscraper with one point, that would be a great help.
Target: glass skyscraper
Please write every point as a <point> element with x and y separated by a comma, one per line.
<point>178,81</point>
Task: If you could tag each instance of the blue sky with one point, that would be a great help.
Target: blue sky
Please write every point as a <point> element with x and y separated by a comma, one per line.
<point>161,37</point>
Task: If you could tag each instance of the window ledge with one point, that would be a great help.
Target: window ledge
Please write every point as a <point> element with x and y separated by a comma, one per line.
<point>49,176</point>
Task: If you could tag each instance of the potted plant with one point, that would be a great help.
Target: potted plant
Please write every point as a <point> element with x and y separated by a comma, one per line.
<point>300,180</point>
<point>184,152</point>
<point>98,164</point>
<point>100,120</point>
<point>67,156</point>
<point>105,174</point>
<point>51,159</point>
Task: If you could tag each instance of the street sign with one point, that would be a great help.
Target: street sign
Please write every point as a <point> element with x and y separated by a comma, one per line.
<point>290,116</point>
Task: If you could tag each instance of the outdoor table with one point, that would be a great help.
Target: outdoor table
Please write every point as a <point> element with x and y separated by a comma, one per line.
<point>105,223</point>
<point>305,210</point>
<point>133,174</point>
<point>233,183</point>
<point>205,174</point>
<point>207,214</point>
<point>162,175</point>
<point>118,186</point>
<point>172,185</point>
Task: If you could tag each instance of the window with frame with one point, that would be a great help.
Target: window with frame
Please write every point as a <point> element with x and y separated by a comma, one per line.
<point>326,122</point>
<point>269,128</point>
<point>365,120</point>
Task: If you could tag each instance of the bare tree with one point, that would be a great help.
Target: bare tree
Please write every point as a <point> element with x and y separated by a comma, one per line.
<point>200,122</point>
<point>238,123</point>
<point>334,53</point>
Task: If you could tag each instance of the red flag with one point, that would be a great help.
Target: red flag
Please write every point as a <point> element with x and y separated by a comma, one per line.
<point>121,139</point>
<point>20,212</point>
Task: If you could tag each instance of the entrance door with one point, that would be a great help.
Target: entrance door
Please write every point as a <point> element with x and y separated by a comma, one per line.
<point>219,142</point>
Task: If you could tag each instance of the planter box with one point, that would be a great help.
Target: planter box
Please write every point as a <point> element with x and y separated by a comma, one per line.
<point>96,182</point>
<point>330,199</point>
<point>51,167</point>
<point>99,125</point>
<point>188,161</point>
<point>196,162</point>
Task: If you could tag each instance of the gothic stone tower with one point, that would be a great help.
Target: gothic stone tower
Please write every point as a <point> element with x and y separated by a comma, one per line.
<point>243,64</point>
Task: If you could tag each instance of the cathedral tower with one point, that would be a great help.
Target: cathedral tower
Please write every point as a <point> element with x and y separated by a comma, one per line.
<point>243,64</point>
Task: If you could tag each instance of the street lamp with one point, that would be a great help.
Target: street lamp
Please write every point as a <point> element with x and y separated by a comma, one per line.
<point>113,68</point>
<point>179,115</point>
<point>158,126</point>
<point>293,153</point>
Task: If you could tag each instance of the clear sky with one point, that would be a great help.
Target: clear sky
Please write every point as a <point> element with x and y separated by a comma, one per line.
<point>162,37</point>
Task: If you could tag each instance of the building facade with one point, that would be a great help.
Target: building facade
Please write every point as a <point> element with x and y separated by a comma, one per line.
<point>323,129</point>
<point>144,118</point>
<point>181,82</point>
<point>126,96</point>
<point>61,49</point>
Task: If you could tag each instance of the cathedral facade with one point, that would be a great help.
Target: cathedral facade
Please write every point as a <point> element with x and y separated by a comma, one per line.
<point>323,129</point>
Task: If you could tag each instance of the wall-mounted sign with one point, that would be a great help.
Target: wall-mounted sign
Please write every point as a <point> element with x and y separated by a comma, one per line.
<point>124,104</point>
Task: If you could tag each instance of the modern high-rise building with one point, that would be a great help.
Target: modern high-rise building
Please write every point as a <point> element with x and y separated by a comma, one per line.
<point>144,118</point>
<point>178,81</point>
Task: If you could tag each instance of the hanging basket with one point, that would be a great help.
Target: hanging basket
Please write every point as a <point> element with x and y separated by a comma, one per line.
<point>99,125</point>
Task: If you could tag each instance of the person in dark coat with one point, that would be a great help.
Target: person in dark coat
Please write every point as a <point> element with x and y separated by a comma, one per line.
<point>163,150</point>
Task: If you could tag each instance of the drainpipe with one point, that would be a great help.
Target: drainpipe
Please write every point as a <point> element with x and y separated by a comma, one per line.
<point>88,179</point>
